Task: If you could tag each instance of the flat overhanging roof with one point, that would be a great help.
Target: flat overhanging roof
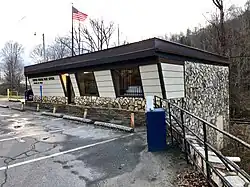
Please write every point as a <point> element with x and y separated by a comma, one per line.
<point>143,49</point>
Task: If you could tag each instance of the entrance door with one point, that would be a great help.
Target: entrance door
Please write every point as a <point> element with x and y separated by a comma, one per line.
<point>69,90</point>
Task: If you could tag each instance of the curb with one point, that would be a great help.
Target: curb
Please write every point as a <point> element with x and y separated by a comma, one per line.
<point>73,118</point>
<point>114,126</point>
<point>15,108</point>
<point>52,114</point>
<point>4,106</point>
<point>14,100</point>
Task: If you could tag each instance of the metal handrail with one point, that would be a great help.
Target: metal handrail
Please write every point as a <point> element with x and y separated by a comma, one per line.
<point>181,124</point>
<point>209,124</point>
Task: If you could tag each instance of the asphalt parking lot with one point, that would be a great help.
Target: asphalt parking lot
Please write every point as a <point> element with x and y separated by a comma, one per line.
<point>43,151</point>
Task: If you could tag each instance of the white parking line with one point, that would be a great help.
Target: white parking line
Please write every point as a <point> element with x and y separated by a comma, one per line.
<point>62,153</point>
<point>28,135</point>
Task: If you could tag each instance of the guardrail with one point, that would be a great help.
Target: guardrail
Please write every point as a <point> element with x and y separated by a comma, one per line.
<point>176,118</point>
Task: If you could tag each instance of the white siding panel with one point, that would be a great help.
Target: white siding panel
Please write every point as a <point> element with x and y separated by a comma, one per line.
<point>52,94</point>
<point>169,74</point>
<point>150,80</point>
<point>104,78</point>
<point>105,89</point>
<point>103,73</point>
<point>171,67</point>
<point>173,87</point>
<point>74,84</point>
<point>34,89</point>
<point>173,76</point>
<point>49,87</point>
<point>150,75</point>
<point>150,68</point>
<point>152,88</point>
<point>159,94</point>
<point>172,95</point>
<point>174,80</point>
<point>106,94</point>
<point>104,83</point>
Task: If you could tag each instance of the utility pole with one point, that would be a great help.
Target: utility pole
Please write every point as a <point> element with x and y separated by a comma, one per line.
<point>44,51</point>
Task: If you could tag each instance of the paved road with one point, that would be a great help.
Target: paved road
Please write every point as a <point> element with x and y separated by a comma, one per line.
<point>40,151</point>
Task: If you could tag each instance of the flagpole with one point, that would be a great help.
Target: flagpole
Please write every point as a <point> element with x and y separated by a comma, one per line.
<point>72,32</point>
<point>79,45</point>
<point>118,35</point>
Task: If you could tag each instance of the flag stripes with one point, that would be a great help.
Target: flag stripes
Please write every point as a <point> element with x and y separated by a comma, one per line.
<point>77,15</point>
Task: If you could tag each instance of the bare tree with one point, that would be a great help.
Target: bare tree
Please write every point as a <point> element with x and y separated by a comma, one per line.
<point>12,64</point>
<point>60,48</point>
<point>222,36</point>
<point>37,54</point>
<point>234,43</point>
<point>98,36</point>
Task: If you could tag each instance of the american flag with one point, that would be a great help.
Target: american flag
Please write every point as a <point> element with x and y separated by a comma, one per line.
<point>77,15</point>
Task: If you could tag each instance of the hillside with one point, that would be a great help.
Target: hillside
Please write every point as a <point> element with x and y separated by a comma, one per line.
<point>237,47</point>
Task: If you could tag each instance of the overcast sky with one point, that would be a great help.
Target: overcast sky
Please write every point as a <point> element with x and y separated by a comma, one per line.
<point>138,19</point>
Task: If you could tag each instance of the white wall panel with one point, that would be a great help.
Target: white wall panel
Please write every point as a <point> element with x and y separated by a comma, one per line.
<point>105,89</point>
<point>150,75</point>
<point>104,83</point>
<point>173,80</point>
<point>173,76</point>
<point>179,94</point>
<point>150,68</point>
<point>172,67</point>
<point>150,80</point>
<point>174,87</point>
<point>49,87</point>
<point>74,85</point>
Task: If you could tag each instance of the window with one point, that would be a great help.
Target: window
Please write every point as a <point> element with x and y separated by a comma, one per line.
<point>87,83</point>
<point>127,82</point>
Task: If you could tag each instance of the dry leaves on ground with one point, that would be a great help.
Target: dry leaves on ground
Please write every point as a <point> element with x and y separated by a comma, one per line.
<point>191,178</point>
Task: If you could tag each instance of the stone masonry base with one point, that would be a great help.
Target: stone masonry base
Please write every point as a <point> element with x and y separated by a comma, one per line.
<point>109,115</point>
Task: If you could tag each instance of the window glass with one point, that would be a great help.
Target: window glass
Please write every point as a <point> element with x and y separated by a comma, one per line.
<point>127,82</point>
<point>87,83</point>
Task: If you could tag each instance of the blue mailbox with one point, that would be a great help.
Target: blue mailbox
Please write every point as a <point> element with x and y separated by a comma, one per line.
<point>156,130</point>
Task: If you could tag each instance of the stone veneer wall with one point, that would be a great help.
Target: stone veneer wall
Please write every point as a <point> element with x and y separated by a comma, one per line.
<point>51,99</point>
<point>207,96</point>
<point>127,103</point>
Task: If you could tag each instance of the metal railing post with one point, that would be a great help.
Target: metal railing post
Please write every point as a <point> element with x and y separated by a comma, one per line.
<point>170,122</point>
<point>160,103</point>
<point>184,135</point>
<point>155,101</point>
<point>206,150</point>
